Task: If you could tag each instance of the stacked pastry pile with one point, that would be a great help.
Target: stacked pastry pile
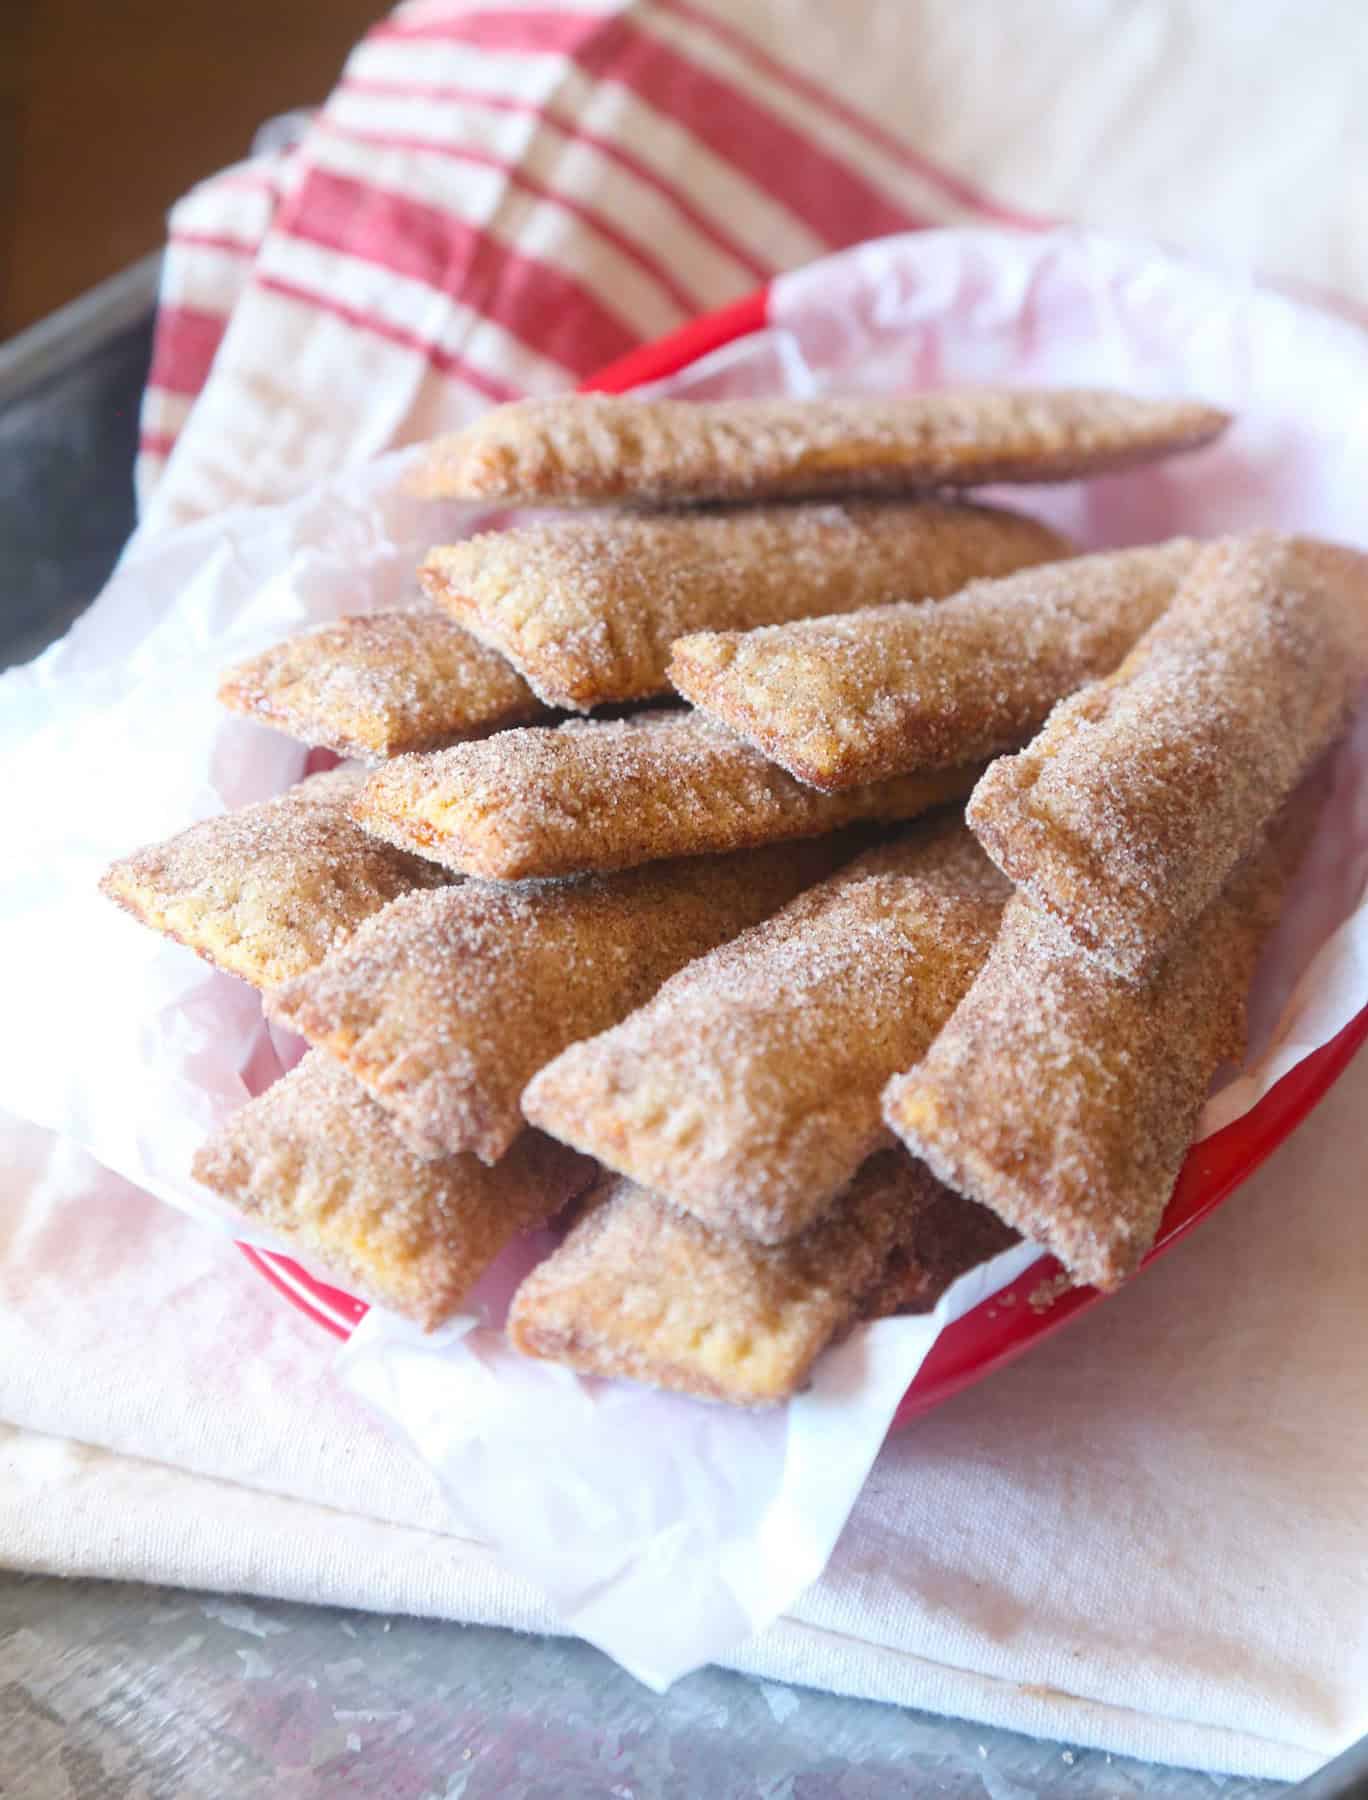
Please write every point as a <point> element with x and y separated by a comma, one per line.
<point>796,1060</point>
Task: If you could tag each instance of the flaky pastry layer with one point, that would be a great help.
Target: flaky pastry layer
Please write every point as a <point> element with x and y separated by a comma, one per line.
<point>317,1162</point>
<point>587,609</point>
<point>598,447</point>
<point>1130,809</point>
<point>381,684</point>
<point>748,1090</point>
<point>595,795</point>
<point>868,696</point>
<point>641,1290</point>
<point>450,1002</point>
<point>267,891</point>
<point>1064,1096</point>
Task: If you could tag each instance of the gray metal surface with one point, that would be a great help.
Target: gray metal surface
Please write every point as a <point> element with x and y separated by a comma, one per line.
<point>69,394</point>
<point>116,1692</point>
<point>111,1692</point>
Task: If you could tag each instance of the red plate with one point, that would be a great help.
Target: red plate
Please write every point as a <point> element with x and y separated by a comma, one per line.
<point>1003,1326</point>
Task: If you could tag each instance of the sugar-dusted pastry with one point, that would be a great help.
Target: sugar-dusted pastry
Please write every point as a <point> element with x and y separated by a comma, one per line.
<point>587,609</point>
<point>379,684</point>
<point>748,1090</point>
<point>639,1289</point>
<point>609,794</point>
<point>597,448</point>
<point>1126,814</point>
<point>267,891</point>
<point>316,1161</point>
<point>866,696</point>
<point>449,1004</point>
<point>1065,1097</point>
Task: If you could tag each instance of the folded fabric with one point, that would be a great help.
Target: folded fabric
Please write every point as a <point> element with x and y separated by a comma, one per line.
<point>971,1579</point>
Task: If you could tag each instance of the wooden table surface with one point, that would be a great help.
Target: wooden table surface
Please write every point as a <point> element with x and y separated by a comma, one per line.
<point>109,112</point>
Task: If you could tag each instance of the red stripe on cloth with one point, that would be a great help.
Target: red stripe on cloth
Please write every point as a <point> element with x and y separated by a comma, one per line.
<point>512,28</point>
<point>831,198</point>
<point>631,248</point>
<point>488,385</point>
<point>183,347</point>
<point>156,443</point>
<point>551,312</point>
<point>569,128</point>
<point>955,186</point>
<point>212,240</point>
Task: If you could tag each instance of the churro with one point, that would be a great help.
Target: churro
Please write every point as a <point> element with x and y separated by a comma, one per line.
<point>1126,814</point>
<point>587,609</point>
<point>641,1290</point>
<point>610,794</point>
<point>1064,1096</point>
<point>747,1091</point>
<point>265,892</point>
<point>449,1003</point>
<point>316,1161</point>
<point>380,684</point>
<point>870,695</point>
<point>598,448</point>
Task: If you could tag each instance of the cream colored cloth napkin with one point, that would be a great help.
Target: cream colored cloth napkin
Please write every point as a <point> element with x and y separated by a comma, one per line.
<point>1151,1535</point>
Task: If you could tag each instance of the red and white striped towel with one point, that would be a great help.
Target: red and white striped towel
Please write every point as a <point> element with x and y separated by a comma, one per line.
<point>492,202</point>
<point>500,199</point>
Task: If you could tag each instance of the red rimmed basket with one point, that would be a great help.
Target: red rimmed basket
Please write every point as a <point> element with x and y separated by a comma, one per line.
<point>1008,1323</point>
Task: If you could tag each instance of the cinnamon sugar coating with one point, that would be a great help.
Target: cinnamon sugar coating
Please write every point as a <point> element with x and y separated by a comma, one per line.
<point>641,1290</point>
<point>380,684</point>
<point>1127,813</point>
<point>316,1161</point>
<point>266,892</point>
<point>598,447</point>
<point>1065,1097</point>
<point>611,794</point>
<point>450,1002</point>
<point>870,695</point>
<point>748,1090</point>
<point>587,609</point>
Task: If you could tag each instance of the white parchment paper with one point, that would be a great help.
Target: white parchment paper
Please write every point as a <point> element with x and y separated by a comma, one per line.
<point>664,1530</point>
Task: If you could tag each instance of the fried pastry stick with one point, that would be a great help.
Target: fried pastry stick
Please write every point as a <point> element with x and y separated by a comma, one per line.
<point>267,891</point>
<point>747,1091</point>
<point>587,609</point>
<point>610,794</point>
<point>1065,1097</point>
<point>868,696</point>
<point>1126,814</point>
<point>316,1161</point>
<point>641,1290</point>
<point>598,448</point>
<point>380,684</point>
<point>451,1002</point>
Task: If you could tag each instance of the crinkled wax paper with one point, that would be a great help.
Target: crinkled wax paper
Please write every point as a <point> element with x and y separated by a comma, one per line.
<point>663,1530</point>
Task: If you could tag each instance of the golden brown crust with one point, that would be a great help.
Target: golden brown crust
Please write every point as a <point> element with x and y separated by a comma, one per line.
<point>599,448</point>
<point>380,684</point>
<point>1126,814</point>
<point>641,1290</point>
<point>612,794</point>
<point>748,1090</point>
<point>587,609</point>
<point>870,695</point>
<point>316,1161</point>
<point>266,892</point>
<point>1065,1097</point>
<point>449,1003</point>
